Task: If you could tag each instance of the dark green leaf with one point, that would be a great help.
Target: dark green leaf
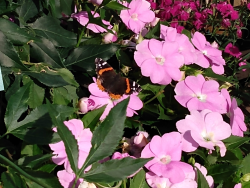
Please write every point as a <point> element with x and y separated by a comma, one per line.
<point>199,153</point>
<point>164,116</point>
<point>8,54</point>
<point>123,57</point>
<point>60,96</point>
<point>5,7</point>
<point>57,7</point>
<point>14,33</point>
<point>48,79</point>
<point>30,150</point>
<point>49,27</point>
<point>38,136</point>
<point>108,134</point>
<point>14,87</point>
<point>234,142</point>
<point>201,180</point>
<point>5,73</point>
<point>12,180</point>
<point>34,161</point>
<point>27,10</point>
<point>139,180</point>
<point>45,51</point>
<point>92,118</point>
<point>24,52</point>
<point>68,76</point>
<point>154,33</point>
<point>187,33</point>
<point>16,106</point>
<point>68,138</point>
<point>221,172</point>
<point>114,170</point>
<point>84,56</point>
<point>47,168</point>
<point>116,6</point>
<point>245,165</point>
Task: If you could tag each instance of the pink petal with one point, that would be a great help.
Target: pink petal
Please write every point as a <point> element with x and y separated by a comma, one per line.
<point>146,16</point>
<point>218,69</point>
<point>210,86</point>
<point>135,25</point>
<point>222,147</point>
<point>169,48</point>
<point>155,47</point>
<point>188,143</point>
<point>147,67</point>
<point>94,90</point>
<point>195,83</point>
<point>135,102</point>
<point>199,40</point>
<point>158,74</point>
<point>174,172</point>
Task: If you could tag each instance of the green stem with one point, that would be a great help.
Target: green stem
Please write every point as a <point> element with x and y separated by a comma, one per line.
<point>159,93</point>
<point>21,171</point>
<point>124,184</point>
<point>80,37</point>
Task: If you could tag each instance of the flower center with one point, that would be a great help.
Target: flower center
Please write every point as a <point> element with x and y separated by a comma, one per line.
<point>204,52</point>
<point>134,16</point>
<point>160,60</point>
<point>202,97</point>
<point>165,159</point>
<point>207,136</point>
<point>91,102</point>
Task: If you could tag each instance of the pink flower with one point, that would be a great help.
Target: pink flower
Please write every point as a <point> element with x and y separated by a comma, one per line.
<point>159,60</point>
<point>234,15</point>
<point>232,50</point>
<point>166,161</point>
<point>86,104</point>
<point>195,93</point>
<point>239,32</point>
<point>203,170</point>
<point>83,137</point>
<point>237,185</point>
<point>205,129</point>
<point>236,115</point>
<point>226,23</point>
<point>110,37</point>
<point>67,179</point>
<point>140,139</point>
<point>215,45</point>
<point>160,182</point>
<point>118,155</point>
<point>207,54</point>
<point>83,18</point>
<point>138,14</point>
<point>176,25</point>
<point>242,64</point>
<point>101,98</point>
<point>248,6</point>
<point>96,2</point>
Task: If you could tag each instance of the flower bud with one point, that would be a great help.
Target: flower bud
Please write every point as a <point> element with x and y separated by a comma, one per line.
<point>215,45</point>
<point>141,139</point>
<point>96,2</point>
<point>246,177</point>
<point>85,104</point>
<point>86,184</point>
<point>191,161</point>
<point>154,22</point>
<point>110,37</point>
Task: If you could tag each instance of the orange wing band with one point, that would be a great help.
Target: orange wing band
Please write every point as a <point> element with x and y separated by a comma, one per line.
<point>113,96</point>
<point>104,70</point>
<point>128,86</point>
<point>98,82</point>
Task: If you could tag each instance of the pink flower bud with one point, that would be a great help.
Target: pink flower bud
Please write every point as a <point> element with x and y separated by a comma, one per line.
<point>86,104</point>
<point>110,37</point>
<point>141,139</point>
<point>155,21</point>
<point>242,64</point>
<point>96,2</point>
<point>215,45</point>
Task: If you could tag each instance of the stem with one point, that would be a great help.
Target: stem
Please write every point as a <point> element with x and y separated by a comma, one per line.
<point>159,93</point>
<point>80,37</point>
<point>124,184</point>
<point>21,171</point>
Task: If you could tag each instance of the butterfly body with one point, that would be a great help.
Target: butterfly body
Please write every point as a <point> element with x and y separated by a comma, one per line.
<point>112,83</point>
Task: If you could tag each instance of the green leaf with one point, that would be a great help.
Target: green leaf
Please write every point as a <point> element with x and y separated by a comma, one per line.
<point>201,180</point>
<point>5,73</point>
<point>12,180</point>
<point>60,96</point>
<point>68,76</point>
<point>234,142</point>
<point>38,136</point>
<point>14,33</point>
<point>57,7</point>
<point>23,52</point>
<point>199,153</point>
<point>47,168</point>
<point>245,165</point>
<point>108,134</point>
<point>187,33</point>
<point>17,104</point>
<point>5,8</point>
<point>84,56</point>
<point>67,137</point>
<point>114,170</point>
<point>123,57</point>
<point>48,79</point>
<point>36,95</point>
<point>8,54</point>
<point>154,33</point>
<point>49,28</point>
<point>45,51</point>
<point>34,161</point>
<point>116,6</point>
<point>14,87</point>
<point>221,172</point>
<point>92,118</point>
<point>139,180</point>
<point>27,10</point>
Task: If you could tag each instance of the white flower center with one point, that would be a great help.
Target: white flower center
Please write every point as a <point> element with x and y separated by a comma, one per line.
<point>165,159</point>
<point>207,136</point>
<point>180,49</point>
<point>134,16</point>
<point>204,52</point>
<point>160,60</point>
<point>202,97</point>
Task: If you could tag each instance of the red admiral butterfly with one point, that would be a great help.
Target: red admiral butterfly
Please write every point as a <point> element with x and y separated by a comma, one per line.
<point>108,80</point>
